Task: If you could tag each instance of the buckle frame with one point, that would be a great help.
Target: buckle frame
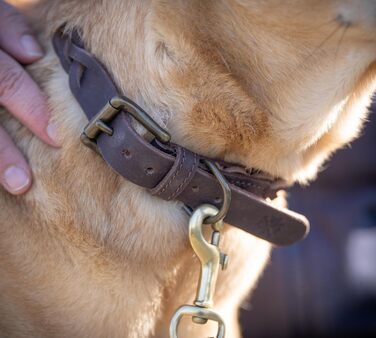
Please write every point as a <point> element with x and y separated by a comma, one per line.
<point>99,123</point>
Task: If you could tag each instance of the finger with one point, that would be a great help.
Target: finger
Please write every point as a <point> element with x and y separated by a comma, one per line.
<point>15,174</point>
<point>16,37</point>
<point>22,97</point>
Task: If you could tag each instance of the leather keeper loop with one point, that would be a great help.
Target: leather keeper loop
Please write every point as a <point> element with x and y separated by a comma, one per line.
<point>179,176</point>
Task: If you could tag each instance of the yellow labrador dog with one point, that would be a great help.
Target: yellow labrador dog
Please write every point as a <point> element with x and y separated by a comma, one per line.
<point>274,85</point>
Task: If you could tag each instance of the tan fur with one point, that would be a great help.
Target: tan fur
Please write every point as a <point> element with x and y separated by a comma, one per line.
<point>276,85</point>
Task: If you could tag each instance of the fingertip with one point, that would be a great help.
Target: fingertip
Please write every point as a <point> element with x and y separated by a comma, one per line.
<point>16,36</point>
<point>31,48</point>
<point>17,179</point>
<point>52,132</point>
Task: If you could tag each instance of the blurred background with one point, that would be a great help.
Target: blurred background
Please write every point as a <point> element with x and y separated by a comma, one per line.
<point>325,286</point>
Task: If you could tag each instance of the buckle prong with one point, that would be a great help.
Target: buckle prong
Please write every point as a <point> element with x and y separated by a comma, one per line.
<point>104,127</point>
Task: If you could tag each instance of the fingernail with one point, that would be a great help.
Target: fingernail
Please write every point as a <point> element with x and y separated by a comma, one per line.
<point>16,179</point>
<point>31,46</point>
<point>52,133</point>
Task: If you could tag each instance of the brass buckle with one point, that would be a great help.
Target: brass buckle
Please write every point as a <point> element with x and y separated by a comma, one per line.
<point>100,121</point>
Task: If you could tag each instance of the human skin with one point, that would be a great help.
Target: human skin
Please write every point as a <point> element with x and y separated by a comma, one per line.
<point>21,96</point>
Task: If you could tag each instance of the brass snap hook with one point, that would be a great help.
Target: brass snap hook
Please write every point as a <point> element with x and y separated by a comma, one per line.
<point>210,258</point>
<point>208,253</point>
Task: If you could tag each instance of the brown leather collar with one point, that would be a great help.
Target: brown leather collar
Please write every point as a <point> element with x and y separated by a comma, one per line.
<point>168,170</point>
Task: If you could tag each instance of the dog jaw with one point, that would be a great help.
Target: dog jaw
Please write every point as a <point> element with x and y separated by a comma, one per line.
<point>274,86</point>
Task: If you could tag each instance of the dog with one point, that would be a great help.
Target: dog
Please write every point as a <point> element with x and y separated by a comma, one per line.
<point>272,85</point>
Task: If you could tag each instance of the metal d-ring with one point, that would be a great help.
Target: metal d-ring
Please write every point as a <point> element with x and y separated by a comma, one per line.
<point>226,194</point>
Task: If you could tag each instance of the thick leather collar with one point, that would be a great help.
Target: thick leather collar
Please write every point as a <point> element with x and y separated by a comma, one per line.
<point>170,171</point>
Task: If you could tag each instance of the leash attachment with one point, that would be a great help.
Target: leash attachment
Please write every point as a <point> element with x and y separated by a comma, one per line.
<point>211,258</point>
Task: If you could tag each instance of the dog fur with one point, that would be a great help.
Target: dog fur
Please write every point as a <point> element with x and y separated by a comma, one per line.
<point>275,85</point>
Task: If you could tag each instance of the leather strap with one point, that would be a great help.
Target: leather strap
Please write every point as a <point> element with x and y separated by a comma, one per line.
<point>170,171</point>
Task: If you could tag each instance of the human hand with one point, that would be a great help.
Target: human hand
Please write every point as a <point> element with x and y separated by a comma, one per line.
<point>21,96</point>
